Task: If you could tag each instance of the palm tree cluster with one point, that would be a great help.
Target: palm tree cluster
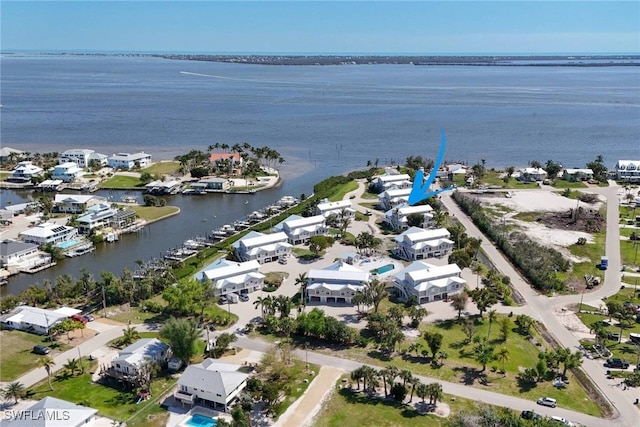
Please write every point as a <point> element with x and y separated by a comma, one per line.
<point>367,244</point>
<point>397,384</point>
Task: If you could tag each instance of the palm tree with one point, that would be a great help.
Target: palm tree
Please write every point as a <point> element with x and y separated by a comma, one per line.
<point>384,374</point>
<point>356,375</point>
<point>405,376</point>
<point>259,302</point>
<point>435,393</point>
<point>492,316</point>
<point>422,391</point>
<point>129,336</point>
<point>503,355</point>
<point>459,302</point>
<point>240,418</point>
<point>47,363</point>
<point>71,365</point>
<point>376,291</point>
<point>479,270</point>
<point>301,281</point>
<point>442,356</point>
<point>14,390</point>
<point>414,383</point>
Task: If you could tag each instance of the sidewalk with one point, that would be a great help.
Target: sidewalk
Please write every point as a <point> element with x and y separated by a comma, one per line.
<point>302,412</point>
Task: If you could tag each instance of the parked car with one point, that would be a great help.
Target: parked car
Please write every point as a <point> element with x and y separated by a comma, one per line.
<point>89,317</point>
<point>79,318</point>
<point>530,415</point>
<point>613,336</point>
<point>547,401</point>
<point>561,420</point>
<point>244,297</point>
<point>41,349</point>
<point>616,363</point>
<point>223,300</point>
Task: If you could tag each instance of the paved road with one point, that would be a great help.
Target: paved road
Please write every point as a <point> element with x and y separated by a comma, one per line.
<point>541,307</point>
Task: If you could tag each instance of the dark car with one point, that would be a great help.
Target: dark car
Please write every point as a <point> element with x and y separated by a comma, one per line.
<point>613,336</point>
<point>89,317</point>
<point>617,363</point>
<point>530,415</point>
<point>41,349</point>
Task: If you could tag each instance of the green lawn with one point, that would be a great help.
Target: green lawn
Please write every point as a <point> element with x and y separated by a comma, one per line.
<point>151,213</point>
<point>163,168</point>
<point>461,365</point>
<point>493,178</point>
<point>628,213</point>
<point>122,181</point>
<point>16,353</point>
<point>568,184</point>
<point>629,249</point>
<point>110,402</point>
<point>352,409</point>
<point>367,195</point>
<point>344,189</point>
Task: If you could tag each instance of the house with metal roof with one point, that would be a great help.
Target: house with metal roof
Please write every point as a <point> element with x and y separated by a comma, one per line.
<point>389,181</point>
<point>300,229</point>
<point>14,251</point>
<point>75,203</point>
<point>48,232</point>
<point>262,247</point>
<point>417,243</point>
<point>397,218</point>
<point>67,172</point>
<point>211,383</point>
<point>228,277</point>
<point>337,283</point>
<point>129,161</point>
<point>532,174</point>
<point>146,350</point>
<point>389,199</point>
<point>53,412</point>
<point>212,184</point>
<point>163,187</point>
<point>36,320</point>
<point>24,171</point>
<point>428,282</point>
<point>341,207</point>
<point>577,174</point>
<point>82,157</point>
<point>103,215</point>
<point>628,170</point>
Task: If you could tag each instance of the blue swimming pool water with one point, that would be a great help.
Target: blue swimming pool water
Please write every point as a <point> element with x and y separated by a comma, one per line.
<point>198,420</point>
<point>67,244</point>
<point>383,269</point>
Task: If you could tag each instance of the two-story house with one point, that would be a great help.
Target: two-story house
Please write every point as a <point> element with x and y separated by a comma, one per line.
<point>262,247</point>
<point>228,277</point>
<point>337,283</point>
<point>398,218</point>
<point>299,229</point>
<point>417,243</point>
<point>428,282</point>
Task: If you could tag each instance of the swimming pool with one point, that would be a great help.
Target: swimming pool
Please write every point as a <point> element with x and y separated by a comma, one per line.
<point>383,269</point>
<point>67,244</point>
<point>198,420</point>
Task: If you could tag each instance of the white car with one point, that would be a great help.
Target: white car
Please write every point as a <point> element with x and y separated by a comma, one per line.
<point>562,421</point>
<point>547,401</point>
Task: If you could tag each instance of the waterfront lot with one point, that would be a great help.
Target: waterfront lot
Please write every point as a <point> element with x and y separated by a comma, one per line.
<point>16,353</point>
<point>163,168</point>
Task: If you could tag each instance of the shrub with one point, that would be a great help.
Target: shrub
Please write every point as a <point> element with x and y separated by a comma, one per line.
<point>398,392</point>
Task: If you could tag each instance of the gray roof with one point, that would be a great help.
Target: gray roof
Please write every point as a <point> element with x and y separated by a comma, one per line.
<point>143,348</point>
<point>213,376</point>
<point>10,247</point>
<point>52,412</point>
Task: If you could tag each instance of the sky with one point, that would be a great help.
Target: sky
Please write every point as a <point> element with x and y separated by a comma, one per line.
<point>338,27</point>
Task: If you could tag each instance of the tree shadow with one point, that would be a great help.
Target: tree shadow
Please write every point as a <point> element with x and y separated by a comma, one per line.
<point>459,344</point>
<point>525,386</point>
<point>446,324</point>
<point>362,398</point>
<point>469,375</point>
<point>379,355</point>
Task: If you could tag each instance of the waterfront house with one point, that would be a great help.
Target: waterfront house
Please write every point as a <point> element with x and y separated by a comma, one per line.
<point>577,174</point>
<point>417,243</point>
<point>532,174</point>
<point>397,218</point>
<point>34,319</point>
<point>50,185</point>
<point>8,154</point>
<point>129,161</point>
<point>228,277</point>
<point>337,283</point>
<point>628,170</point>
<point>211,383</point>
<point>146,350</point>
<point>102,215</point>
<point>82,157</point>
<point>48,232</point>
<point>391,180</point>
<point>163,187</point>
<point>339,208</point>
<point>389,199</point>
<point>212,184</point>
<point>299,229</point>
<point>67,172</point>
<point>428,282</point>
<point>75,203</point>
<point>24,171</point>
<point>217,158</point>
<point>14,251</point>
<point>53,412</point>
<point>262,247</point>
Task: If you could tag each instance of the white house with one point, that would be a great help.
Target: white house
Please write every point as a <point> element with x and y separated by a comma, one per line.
<point>391,198</point>
<point>262,247</point>
<point>97,216</point>
<point>129,161</point>
<point>326,208</point>
<point>131,358</point>
<point>337,283</point>
<point>75,203</point>
<point>428,282</point>
<point>82,157</point>
<point>628,170</point>
<point>577,174</point>
<point>212,383</point>
<point>13,251</point>
<point>52,412</point>
<point>397,220</point>
<point>163,187</point>
<point>389,181</point>
<point>532,174</point>
<point>67,172</point>
<point>299,229</point>
<point>416,243</point>
<point>232,277</point>
<point>24,171</point>
<point>36,320</point>
<point>48,232</point>
<point>7,153</point>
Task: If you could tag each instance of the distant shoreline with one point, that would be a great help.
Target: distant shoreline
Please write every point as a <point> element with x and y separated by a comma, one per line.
<point>560,60</point>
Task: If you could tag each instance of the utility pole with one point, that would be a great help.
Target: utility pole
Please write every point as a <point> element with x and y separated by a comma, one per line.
<point>104,303</point>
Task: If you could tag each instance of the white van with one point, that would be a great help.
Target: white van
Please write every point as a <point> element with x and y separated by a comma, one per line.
<point>233,298</point>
